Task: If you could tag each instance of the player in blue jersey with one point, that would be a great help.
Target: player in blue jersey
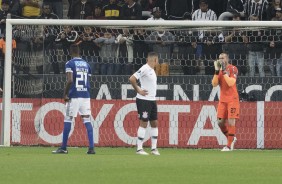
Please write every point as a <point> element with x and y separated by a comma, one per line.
<point>77,98</point>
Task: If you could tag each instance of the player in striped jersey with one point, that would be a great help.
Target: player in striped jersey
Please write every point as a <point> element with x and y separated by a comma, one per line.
<point>77,98</point>
<point>146,102</point>
<point>256,7</point>
<point>204,13</point>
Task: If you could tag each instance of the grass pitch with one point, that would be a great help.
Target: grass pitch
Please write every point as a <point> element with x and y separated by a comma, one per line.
<point>37,165</point>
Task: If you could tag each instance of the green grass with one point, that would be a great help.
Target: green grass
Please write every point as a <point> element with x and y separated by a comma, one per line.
<point>121,165</point>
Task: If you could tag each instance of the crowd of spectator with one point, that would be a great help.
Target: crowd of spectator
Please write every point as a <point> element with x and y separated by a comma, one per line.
<point>123,51</point>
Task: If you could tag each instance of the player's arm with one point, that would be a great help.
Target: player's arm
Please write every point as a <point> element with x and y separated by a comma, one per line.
<point>215,80</point>
<point>133,81</point>
<point>68,85</point>
<point>229,80</point>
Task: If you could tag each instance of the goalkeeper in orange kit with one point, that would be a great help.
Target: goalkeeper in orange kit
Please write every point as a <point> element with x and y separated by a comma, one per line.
<point>228,107</point>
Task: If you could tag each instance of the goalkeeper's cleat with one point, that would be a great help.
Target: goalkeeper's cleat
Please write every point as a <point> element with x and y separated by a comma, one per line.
<point>91,151</point>
<point>155,152</point>
<point>233,143</point>
<point>225,148</point>
<point>141,152</point>
<point>60,151</point>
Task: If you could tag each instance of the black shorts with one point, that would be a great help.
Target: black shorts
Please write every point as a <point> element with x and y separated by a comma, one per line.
<point>147,110</point>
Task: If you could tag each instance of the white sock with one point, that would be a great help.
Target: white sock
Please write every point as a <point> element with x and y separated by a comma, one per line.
<point>154,137</point>
<point>140,137</point>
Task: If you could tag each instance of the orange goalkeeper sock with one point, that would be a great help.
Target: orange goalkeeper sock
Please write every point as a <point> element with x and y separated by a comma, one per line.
<point>224,129</point>
<point>231,134</point>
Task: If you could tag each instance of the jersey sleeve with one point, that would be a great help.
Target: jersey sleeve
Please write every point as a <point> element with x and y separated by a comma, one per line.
<point>139,73</point>
<point>233,72</point>
<point>68,67</point>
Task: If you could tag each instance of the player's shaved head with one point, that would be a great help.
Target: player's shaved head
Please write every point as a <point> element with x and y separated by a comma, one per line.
<point>225,54</point>
<point>74,50</point>
<point>152,54</point>
<point>153,59</point>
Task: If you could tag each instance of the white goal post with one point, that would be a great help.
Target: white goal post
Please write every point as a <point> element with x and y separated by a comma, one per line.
<point>6,107</point>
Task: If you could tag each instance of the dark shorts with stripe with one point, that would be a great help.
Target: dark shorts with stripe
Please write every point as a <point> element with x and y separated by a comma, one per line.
<point>147,110</point>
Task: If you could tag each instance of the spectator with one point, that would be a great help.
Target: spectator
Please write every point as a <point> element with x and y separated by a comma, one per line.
<point>50,33</point>
<point>47,13</point>
<point>36,56</point>
<point>3,49</point>
<point>213,41</point>
<point>125,53</point>
<point>256,45</point>
<point>23,35</point>
<point>256,7</point>
<point>186,47</point>
<point>186,51</point>
<point>2,57</point>
<point>140,48</point>
<point>233,7</point>
<point>156,12</point>
<point>3,45</point>
<point>80,9</point>
<point>207,46</point>
<point>162,42</point>
<point>64,39</point>
<point>105,2</point>
<point>3,15</point>
<point>56,6</point>
<point>107,52</point>
<point>97,13</point>
<point>236,48</point>
<point>132,10</point>
<point>176,9</point>
<point>218,6</point>
<point>204,13</point>
<point>236,6</point>
<point>275,6</point>
<point>89,49</point>
<point>31,8</point>
<point>14,7</point>
<point>273,51</point>
<point>148,5</point>
<point>278,16</point>
<point>112,11</point>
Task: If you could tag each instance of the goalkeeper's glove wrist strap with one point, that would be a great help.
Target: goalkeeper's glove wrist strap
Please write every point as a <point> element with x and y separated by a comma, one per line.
<point>216,72</point>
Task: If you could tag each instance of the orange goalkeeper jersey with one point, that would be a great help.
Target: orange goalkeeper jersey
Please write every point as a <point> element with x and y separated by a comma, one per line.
<point>228,93</point>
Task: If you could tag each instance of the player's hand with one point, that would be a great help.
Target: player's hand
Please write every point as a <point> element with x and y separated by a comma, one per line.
<point>217,65</point>
<point>143,92</point>
<point>66,99</point>
<point>223,67</point>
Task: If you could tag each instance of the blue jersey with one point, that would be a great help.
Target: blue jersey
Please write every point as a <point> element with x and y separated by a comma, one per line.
<point>81,73</point>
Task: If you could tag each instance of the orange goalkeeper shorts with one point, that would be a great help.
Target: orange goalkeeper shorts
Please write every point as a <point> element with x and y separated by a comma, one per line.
<point>228,110</point>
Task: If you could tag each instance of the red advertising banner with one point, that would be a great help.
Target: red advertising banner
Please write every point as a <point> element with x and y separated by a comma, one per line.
<point>182,124</point>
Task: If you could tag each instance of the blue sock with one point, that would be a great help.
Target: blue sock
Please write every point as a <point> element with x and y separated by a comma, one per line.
<point>67,128</point>
<point>89,129</point>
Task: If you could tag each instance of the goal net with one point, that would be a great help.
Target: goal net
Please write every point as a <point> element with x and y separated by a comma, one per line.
<point>34,79</point>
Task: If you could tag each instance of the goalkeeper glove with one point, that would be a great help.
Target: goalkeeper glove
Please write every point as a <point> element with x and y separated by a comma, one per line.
<point>216,66</point>
<point>223,67</point>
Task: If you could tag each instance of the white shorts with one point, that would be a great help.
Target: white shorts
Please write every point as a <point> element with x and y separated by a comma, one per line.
<point>75,105</point>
